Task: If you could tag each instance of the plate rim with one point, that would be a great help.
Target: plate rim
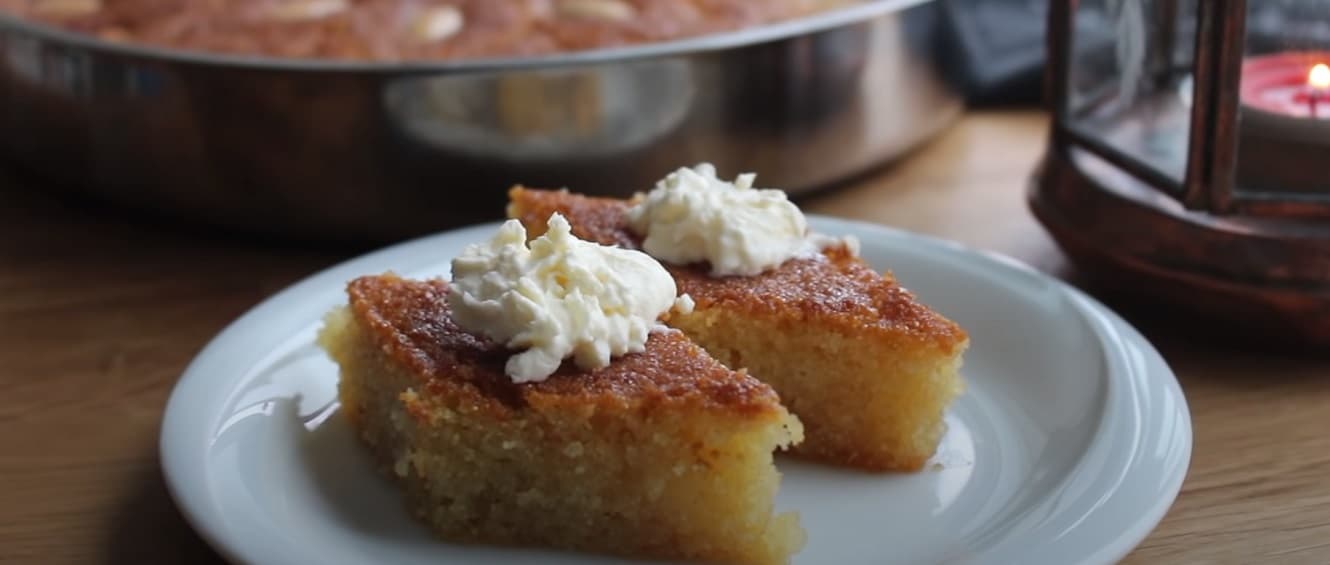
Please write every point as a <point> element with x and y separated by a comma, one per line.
<point>182,471</point>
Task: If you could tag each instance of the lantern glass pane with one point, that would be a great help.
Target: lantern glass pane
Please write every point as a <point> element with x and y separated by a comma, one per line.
<point>1130,83</point>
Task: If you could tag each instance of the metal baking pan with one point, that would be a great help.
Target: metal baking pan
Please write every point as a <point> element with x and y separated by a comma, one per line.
<point>351,150</point>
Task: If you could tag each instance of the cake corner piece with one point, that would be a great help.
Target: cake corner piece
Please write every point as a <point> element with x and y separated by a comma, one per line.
<point>868,368</point>
<point>665,454</point>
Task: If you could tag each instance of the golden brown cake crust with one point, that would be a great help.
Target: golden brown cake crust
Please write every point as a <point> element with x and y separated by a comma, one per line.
<point>410,321</point>
<point>838,288</point>
<point>389,29</point>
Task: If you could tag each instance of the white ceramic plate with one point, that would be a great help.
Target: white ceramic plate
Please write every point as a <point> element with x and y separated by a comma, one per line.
<point>1068,447</point>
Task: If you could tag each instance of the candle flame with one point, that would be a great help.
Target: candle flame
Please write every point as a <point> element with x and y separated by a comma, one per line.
<point>1319,77</point>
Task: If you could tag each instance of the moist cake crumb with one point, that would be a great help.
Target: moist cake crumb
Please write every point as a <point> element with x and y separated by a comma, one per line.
<point>866,367</point>
<point>662,454</point>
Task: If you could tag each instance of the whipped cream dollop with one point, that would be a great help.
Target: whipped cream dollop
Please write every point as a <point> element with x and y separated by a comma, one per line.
<point>693,216</point>
<point>556,297</point>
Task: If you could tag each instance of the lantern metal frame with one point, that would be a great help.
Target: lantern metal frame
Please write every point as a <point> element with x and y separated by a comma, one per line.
<point>1258,260</point>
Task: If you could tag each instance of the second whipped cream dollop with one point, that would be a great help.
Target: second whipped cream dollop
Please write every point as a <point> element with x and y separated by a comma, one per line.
<point>693,216</point>
<point>557,297</point>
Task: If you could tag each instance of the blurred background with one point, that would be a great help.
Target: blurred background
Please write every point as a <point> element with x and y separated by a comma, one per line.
<point>300,119</point>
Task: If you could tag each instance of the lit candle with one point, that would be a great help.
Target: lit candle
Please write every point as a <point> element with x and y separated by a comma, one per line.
<point>1284,121</point>
<point>1288,84</point>
<point>1318,81</point>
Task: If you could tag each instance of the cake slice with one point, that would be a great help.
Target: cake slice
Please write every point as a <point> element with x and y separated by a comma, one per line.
<point>867,368</point>
<point>664,453</point>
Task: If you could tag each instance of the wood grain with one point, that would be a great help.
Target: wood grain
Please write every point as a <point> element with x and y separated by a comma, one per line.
<point>100,311</point>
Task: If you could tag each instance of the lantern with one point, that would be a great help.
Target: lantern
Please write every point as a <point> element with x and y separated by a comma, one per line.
<point>1189,160</point>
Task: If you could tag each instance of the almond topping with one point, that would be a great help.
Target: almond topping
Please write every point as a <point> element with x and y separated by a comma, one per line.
<point>298,10</point>
<point>67,8</point>
<point>612,10</point>
<point>438,23</point>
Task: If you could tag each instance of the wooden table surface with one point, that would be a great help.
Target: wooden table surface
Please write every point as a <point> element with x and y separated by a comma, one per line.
<point>100,312</point>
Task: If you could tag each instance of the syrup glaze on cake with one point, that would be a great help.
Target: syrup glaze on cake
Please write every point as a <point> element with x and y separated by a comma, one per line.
<point>837,286</point>
<point>393,30</point>
<point>662,454</point>
<point>410,320</point>
<point>867,368</point>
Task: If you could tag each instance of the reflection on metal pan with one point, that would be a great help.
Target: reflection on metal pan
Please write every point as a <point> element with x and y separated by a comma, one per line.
<point>541,115</point>
<point>327,149</point>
